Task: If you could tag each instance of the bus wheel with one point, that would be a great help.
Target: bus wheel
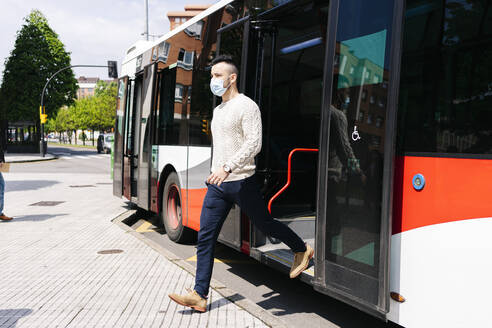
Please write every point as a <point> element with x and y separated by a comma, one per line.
<point>171,211</point>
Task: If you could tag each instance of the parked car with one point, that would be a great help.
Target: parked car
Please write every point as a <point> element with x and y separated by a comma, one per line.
<point>104,142</point>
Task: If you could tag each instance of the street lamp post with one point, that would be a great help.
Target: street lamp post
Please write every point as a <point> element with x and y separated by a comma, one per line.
<point>112,72</point>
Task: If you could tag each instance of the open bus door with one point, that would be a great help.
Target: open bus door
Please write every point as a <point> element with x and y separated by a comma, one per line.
<point>143,138</point>
<point>353,227</point>
<point>119,133</point>
<point>130,148</point>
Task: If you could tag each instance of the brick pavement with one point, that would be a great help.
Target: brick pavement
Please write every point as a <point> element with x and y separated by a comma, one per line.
<point>52,275</point>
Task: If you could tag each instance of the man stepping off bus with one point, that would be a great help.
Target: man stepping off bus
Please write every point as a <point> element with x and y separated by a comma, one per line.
<point>236,134</point>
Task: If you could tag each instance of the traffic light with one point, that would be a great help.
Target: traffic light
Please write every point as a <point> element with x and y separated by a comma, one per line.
<point>205,127</point>
<point>112,69</point>
<point>42,115</point>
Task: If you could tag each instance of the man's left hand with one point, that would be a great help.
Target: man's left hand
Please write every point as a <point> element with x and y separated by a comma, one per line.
<point>218,177</point>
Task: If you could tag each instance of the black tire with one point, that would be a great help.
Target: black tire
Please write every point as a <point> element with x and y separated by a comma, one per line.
<point>170,214</point>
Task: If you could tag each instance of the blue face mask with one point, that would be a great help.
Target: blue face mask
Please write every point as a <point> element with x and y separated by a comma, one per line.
<point>217,86</point>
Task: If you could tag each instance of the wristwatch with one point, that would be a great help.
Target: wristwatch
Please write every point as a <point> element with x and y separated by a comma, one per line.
<point>227,168</point>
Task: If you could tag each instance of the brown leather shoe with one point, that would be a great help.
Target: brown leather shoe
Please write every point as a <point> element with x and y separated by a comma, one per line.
<point>301,261</point>
<point>3,217</point>
<point>192,299</point>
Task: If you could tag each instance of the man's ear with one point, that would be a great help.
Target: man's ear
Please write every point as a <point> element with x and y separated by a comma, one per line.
<point>233,77</point>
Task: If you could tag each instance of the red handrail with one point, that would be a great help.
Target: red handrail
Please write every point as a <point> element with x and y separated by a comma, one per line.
<point>289,165</point>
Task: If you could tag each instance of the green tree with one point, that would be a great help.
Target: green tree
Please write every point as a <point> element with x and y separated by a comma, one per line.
<point>105,95</point>
<point>50,125</point>
<point>65,122</point>
<point>37,55</point>
<point>83,115</point>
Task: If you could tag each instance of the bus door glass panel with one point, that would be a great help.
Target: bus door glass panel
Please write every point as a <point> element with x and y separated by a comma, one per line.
<point>119,134</point>
<point>291,95</point>
<point>145,147</point>
<point>134,150</point>
<point>355,241</point>
<point>232,41</point>
<point>127,140</point>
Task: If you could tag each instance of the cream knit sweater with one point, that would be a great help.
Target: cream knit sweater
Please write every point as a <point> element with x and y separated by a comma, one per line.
<point>236,135</point>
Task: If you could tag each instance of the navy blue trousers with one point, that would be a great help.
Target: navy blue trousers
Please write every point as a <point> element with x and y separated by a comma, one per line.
<point>216,206</point>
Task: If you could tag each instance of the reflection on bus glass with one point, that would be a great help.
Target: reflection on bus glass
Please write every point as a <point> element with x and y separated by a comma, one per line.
<point>356,149</point>
<point>362,59</point>
<point>445,103</point>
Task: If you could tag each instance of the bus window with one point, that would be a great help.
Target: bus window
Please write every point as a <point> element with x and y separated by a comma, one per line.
<point>166,128</point>
<point>445,103</point>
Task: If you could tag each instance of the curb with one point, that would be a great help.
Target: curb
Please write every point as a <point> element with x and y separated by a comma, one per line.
<point>232,296</point>
<point>34,160</point>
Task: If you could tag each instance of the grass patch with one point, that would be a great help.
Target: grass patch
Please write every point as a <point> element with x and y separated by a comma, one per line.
<point>71,145</point>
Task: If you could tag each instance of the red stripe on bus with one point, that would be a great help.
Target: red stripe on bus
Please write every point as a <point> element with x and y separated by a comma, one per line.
<point>455,189</point>
<point>194,198</point>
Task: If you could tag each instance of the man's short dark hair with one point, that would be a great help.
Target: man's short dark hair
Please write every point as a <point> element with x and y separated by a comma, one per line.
<point>228,60</point>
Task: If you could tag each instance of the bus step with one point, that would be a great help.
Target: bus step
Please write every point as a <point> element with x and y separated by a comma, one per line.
<point>281,257</point>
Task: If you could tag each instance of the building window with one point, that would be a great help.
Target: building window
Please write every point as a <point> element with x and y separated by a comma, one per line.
<point>164,48</point>
<point>369,118</point>
<point>364,95</point>
<point>379,121</point>
<point>368,74</point>
<point>178,93</point>
<point>195,30</point>
<point>139,62</point>
<point>185,59</point>
<point>372,100</point>
<point>361,116</point>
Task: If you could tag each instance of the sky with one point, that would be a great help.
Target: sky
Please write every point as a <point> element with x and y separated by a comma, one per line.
<point>94,31</point>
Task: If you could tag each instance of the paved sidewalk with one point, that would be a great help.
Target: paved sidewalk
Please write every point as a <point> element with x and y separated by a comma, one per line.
<point>27,157</point>
<point>53,276</point>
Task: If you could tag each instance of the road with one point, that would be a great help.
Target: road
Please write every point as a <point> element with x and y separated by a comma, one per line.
<point>295,303</point>
<point>71,160</point>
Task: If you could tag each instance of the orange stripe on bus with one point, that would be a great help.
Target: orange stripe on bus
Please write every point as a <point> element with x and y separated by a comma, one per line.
<point>455,189</point>
<point>194,198</point>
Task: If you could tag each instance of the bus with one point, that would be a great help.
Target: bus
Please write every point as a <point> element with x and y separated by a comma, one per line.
<point>376,144</point>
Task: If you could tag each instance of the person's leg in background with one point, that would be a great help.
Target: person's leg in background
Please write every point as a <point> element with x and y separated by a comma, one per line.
<point>2,191</point>
<point>3,217</point>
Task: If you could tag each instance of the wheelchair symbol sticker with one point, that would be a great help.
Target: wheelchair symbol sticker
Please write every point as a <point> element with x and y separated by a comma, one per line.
<point>355,134</point>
